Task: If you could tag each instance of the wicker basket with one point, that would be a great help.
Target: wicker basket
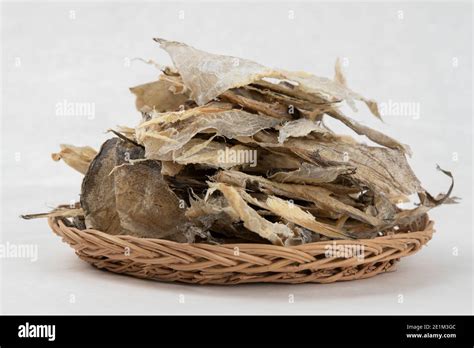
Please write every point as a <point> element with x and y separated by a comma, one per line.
<point>201,263</point>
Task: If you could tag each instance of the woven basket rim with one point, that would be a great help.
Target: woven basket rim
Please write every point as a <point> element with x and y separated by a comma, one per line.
<point>402,235</point>
<point>203,263</point>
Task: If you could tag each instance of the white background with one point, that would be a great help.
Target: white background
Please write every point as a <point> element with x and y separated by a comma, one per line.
<point>420,53</point>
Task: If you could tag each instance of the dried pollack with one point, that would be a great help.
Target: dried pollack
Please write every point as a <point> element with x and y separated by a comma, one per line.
<point>228,150</point>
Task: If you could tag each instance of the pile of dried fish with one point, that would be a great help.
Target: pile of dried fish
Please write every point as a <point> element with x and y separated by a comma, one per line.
<point>229,150</point>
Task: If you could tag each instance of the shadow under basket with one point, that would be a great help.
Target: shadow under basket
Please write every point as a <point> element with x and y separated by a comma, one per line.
<point>320,262</point>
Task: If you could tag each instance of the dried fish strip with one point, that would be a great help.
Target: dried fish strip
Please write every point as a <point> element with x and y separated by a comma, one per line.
<point>378,168</point>
<point>76,157</point>
<point>158,96</point>
<point>230,124</point>
<point>299,128</point>
<point>318,195</point>
<point>291,212</point>
<point>312,175</point>
<point>304,219</point>
<point>372,134</point>
<point>276,233</point>
<point>215,154</point>
<point>209,75</point>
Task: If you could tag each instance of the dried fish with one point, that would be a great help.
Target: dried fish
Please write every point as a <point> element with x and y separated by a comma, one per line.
<point>209,75</point>
<point>276,232</point>
<point>76,157</point>
<point>160,141</point>
<point>370,133</point>
<point>98,186</point>
<point>311,174</point>
<point>215,154</point>
<point>378,168</point>
<point>230,151</point>
<point>304,219</point>
<point>145,205</point>
<point>158,96</point>
<point>293,213</point>
<point>170,168</point>
<point>215,214</point>
<point>299,128</point>
<point>64,212</point>
<point>318,195</point>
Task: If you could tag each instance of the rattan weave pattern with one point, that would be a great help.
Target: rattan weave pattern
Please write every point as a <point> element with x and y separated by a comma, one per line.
<point>201,263</point>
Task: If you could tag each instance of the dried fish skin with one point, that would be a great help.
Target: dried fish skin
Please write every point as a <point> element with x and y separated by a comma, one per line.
<point>98,186</point>
<point>304,219</point>
<point>248,99</point>
<point>211,209</point>
<point>312,174</point>
<point>215,214</point>
<point>407,217</point>
<point>170,168</point>
<point>209,75</point>
<point>294,214</point>
<point>299,128</point>
<point>276,232</point>
<point>159,141</point>
<point>77,157</point>
<point>158,96</point>
<point>322,87</point>
<point>97,192</point>
<point>378,168</point>
<point>145,205</point>
<point>215,154</point>
<point>372,134</point>
<point>318,195</point>
<point>180,174</point>
<point>269,162</point>
<point>122,193</point>
<point>338,73</point>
